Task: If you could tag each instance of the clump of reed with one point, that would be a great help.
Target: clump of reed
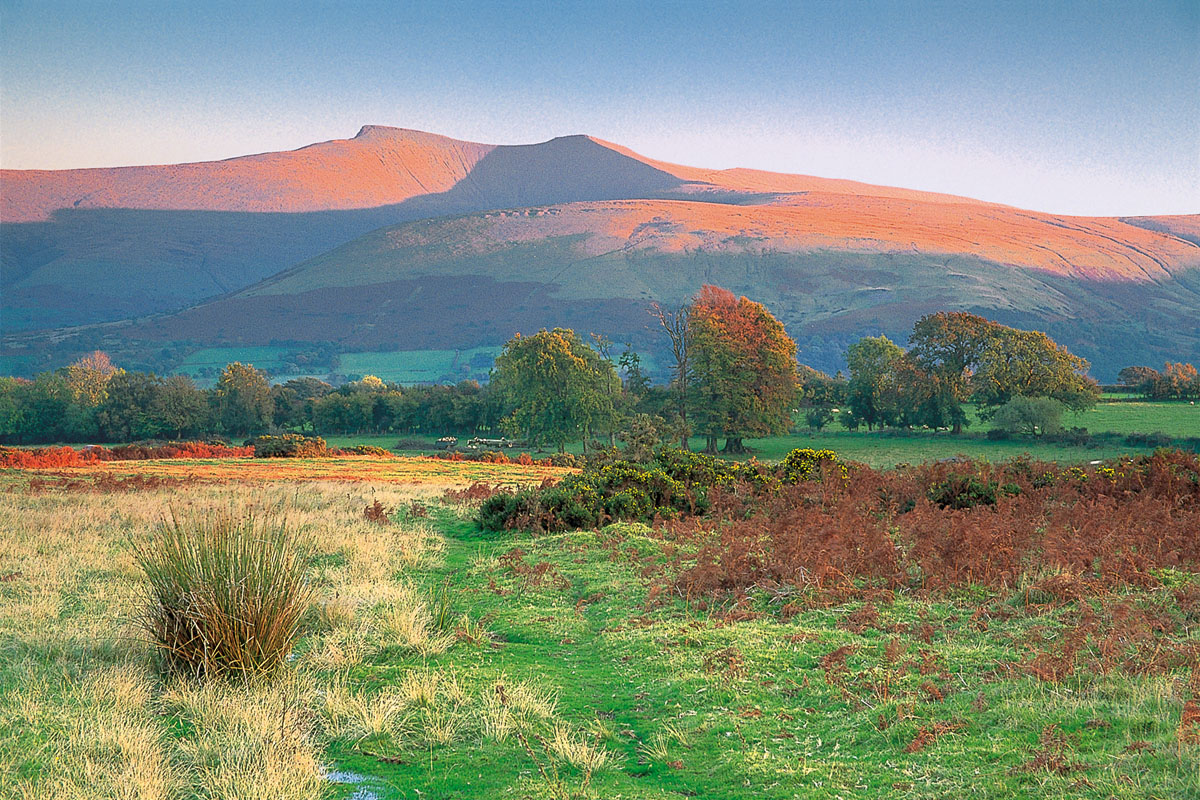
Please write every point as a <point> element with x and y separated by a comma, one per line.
<point>225,592</point>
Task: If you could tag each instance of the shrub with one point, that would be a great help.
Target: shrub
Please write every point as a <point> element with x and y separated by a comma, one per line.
<point>566,460</point>
<point>48,457</point>
<point>1030,415</point>
<point>967,491</point>
<point>289,445</point>
<point>224,592</point>
<point>1156,439</point>
<point>365,450</point>
<point>805,464</point>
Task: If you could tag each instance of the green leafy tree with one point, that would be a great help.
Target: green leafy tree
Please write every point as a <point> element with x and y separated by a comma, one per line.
<point>181,408</point>
<point>948,345</point>
<point>743,369</point>
<point>127,411</point>
<point>872,393</point>
<point>1019,363</point>
<point>558,389</point>
<point>242,400</point>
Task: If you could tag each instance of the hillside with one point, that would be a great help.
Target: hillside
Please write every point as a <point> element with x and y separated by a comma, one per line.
<point>398,240</point>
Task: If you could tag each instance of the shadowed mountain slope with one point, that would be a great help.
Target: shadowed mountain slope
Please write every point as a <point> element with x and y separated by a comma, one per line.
<point>822,263</point>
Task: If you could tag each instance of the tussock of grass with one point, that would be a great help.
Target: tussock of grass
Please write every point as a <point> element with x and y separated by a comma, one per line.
<point>225,592</point>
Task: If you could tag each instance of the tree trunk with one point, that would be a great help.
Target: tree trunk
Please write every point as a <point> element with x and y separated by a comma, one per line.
<point>733,444</point>
<point>710,446</point>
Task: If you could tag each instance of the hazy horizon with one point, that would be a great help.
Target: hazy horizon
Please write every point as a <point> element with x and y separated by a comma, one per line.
<point>1071,108</point>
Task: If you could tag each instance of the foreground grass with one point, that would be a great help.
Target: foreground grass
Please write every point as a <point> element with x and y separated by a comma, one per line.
<point>436,663</point>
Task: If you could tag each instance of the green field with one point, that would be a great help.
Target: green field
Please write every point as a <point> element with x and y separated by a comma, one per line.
<point>422,366</point>
<point>690,706</point>
<point>888,448</point>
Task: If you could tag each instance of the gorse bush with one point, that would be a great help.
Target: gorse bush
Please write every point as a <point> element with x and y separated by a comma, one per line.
<point>289,445</point>
<point>676,484</point>
<point>224,592</point>
<point>365,450</point>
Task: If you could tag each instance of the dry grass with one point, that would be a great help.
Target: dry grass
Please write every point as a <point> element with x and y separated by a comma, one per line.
<point>401,471</point>
<point>83,714</point>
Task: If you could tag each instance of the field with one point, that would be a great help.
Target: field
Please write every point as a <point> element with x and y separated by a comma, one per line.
<point>401,471</point>
<point>1112,421</point>
<point>441,662</point>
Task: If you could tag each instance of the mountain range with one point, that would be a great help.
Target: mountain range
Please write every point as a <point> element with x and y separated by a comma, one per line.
<point>398,240</point>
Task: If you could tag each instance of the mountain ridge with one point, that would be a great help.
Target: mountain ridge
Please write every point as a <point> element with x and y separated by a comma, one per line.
<point>340,240</point>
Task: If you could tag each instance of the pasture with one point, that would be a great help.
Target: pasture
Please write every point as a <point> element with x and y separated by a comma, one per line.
<point>1109,423</point>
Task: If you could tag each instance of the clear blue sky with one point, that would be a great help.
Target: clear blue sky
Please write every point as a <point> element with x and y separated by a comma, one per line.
<point>1073,107</point>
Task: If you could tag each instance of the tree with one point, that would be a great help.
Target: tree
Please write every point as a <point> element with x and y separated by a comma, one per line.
<point>1175,382</point>
<point>1029,415</point>
<point>293,401</point>
<point>676,324</point>
<point>558,388</point>
<point>872,391</point>
<point>1018,363</point>
<point>88,378</point>
<point>1137,377</point>
<point>923,400</point>
<point>125,414</point>
<point>743,369</point>
<point>181,407</point>
<point>948,345</point>
<point>242,400</point>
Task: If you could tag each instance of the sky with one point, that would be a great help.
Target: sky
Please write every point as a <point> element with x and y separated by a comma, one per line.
<point>1067,107</point>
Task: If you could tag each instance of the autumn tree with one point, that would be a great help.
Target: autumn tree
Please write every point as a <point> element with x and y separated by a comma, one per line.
<point>242,400</point>
<point>557,388</point>
<point>743,368</point>
<point>88,378</point>
<point>1175,382</point>
<point>1137,377</point>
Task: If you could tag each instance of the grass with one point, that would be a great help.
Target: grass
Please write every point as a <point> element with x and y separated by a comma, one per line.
<point>225,592</point>
<point>557,671</point>
<point>422,366</point>
<point>888,448</point>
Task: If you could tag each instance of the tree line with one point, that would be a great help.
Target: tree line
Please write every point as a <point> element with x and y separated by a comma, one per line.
<point>1175,381</point>
<point>734,375</point>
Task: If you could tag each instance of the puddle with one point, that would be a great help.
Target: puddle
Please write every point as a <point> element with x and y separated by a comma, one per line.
<point>368,788</point>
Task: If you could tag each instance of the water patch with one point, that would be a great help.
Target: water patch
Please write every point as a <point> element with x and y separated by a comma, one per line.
<point>368,788</point>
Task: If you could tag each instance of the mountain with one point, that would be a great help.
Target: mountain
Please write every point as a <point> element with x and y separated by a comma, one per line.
<point>401,240</point>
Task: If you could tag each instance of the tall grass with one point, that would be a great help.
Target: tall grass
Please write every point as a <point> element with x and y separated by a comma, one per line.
<point>224,592</point>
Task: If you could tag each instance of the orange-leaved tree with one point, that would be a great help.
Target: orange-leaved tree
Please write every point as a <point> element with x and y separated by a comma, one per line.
<point>743,369</point>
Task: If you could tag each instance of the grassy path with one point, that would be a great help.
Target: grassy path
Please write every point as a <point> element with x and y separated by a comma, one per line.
<point>689,703</point>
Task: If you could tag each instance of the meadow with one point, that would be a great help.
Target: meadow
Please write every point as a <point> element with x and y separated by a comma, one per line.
<point>442,661</point>
<point>1109,423</point>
